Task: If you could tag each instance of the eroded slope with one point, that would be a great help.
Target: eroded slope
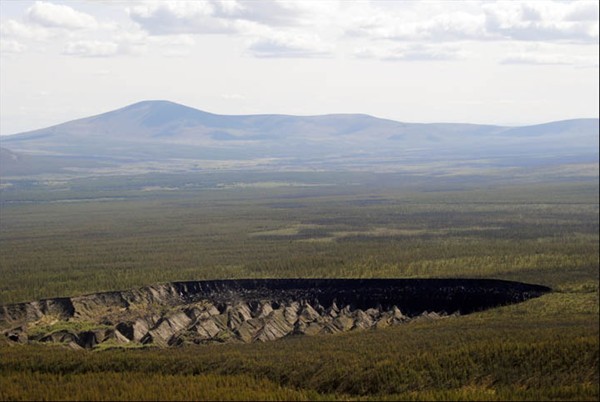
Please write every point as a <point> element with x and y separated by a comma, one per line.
<point>249,310</point>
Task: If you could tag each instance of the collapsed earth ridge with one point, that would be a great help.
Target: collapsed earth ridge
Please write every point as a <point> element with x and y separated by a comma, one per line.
<point>249,310</point>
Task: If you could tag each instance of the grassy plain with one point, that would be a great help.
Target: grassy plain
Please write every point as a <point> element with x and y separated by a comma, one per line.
<point>121,234</point>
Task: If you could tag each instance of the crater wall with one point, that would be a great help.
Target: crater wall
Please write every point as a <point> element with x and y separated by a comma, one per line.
<point>250,310</point>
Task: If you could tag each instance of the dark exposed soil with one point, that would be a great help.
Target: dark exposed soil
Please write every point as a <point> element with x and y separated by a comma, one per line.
<point>250,310</point>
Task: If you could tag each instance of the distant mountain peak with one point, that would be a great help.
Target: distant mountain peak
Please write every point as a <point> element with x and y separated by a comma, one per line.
<point>161,129</point>
<point>156,104</point>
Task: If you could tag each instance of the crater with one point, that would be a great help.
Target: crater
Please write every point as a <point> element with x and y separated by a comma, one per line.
<point>250,310</point>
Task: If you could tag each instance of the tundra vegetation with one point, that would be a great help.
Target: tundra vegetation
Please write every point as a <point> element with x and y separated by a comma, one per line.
<point>74,237</point>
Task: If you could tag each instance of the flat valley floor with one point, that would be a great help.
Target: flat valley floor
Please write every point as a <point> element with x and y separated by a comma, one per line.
<point>73,237</point>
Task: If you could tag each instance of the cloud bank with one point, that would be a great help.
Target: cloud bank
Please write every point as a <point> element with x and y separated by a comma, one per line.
<point>386,30</point>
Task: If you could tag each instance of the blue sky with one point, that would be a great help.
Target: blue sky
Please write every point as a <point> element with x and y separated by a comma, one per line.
<point>474,61</point>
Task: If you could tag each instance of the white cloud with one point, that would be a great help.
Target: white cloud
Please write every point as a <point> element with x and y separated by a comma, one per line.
<point>280,44</point>
<point>439,22</point>
<point>59,16</point>
<point>272,13</point>
<point>582,11</point>
<point>441,28</point>
<point>11,46</point>
<point>266,23</point>
<point>412,52</point>
<point>90,48</point>
<point>179,17</point>
<point>121,43</point>
<point>216,16</point>
<point>536,59</point>
<point>173,45</point>
<point>282,28</point>
<point>541,21</point>
<point>15,29</point>
<point>454,26</point>
<point>64,26</point>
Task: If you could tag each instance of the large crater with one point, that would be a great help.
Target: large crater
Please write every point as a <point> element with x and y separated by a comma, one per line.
<point>250,310</point>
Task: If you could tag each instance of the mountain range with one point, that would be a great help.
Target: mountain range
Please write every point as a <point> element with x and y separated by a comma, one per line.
<point>159,131</point>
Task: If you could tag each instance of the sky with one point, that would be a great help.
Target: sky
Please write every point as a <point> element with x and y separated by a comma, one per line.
<point>507,63</point>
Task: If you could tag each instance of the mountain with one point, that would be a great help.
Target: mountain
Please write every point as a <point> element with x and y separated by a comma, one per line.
<point>162,130</point>
<point>163,120</point>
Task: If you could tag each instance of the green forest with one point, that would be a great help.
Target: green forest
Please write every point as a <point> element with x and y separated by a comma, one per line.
<point>81,242</point>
